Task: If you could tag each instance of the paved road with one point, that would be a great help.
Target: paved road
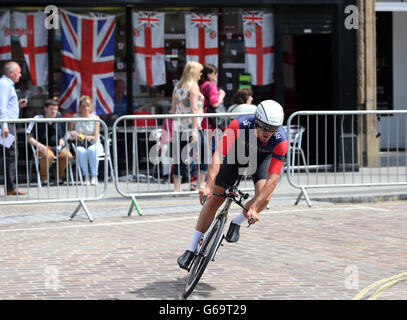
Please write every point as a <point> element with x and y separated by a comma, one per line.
<point>325,252</point>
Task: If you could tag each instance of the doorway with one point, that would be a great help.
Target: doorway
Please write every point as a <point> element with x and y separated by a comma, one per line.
<point>307,72</point>
<point>308,86</point>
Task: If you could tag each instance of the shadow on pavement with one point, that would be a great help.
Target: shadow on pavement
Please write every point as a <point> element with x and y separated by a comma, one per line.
<point>172,290</point>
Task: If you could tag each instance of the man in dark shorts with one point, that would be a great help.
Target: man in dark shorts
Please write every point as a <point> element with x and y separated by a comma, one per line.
<point>256,143</point>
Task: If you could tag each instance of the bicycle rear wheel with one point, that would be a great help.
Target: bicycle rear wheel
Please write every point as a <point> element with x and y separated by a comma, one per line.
<point>201,260</point>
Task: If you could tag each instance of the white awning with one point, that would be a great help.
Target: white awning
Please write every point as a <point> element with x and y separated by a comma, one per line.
<point>391,6</point>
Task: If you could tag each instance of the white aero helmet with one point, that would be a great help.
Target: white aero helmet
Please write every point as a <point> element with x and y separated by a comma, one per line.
<point>269,115</point>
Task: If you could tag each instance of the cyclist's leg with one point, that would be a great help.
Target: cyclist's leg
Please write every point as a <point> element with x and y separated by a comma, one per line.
<point>228,174</point>
<point>206,216</point>
<point>209,209</point>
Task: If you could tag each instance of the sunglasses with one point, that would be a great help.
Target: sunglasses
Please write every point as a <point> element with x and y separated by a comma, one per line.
<point>265,127</point>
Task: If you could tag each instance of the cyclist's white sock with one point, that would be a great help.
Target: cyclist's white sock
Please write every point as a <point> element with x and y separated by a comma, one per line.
<point>239,219</point>
<point>193,245</point>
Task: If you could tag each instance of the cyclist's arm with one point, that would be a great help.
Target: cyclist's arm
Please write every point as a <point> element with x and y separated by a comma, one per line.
<point>261,199</point>
<point>276,163</point>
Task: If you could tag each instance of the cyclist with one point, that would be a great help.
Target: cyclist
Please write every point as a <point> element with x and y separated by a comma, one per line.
<point>262,138</point>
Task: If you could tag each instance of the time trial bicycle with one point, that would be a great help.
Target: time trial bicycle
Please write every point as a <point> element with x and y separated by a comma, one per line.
<point>212,239</point>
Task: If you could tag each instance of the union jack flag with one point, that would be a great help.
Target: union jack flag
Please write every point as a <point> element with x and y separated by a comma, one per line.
<point>253,18</point>
<point>148,19</point>
<point>98,14</point>
<point>201,20</point>
<point>87,61</point>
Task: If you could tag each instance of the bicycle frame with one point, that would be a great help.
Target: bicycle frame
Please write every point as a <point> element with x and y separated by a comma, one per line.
<point>224,211</point>
<point>207,248</point>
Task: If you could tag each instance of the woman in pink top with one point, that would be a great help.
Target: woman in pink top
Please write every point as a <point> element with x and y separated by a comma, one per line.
<point>213,96</point>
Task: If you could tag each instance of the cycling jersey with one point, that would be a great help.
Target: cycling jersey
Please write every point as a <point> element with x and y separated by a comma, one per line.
<point>241,131</point>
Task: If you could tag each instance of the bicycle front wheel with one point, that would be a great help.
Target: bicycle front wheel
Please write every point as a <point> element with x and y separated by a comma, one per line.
<point>207,251</point>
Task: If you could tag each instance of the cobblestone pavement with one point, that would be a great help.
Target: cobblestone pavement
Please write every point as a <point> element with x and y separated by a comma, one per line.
<point>325,252</point>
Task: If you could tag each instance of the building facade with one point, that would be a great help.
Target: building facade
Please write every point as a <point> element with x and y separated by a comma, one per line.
<point>314,51</point>
<point>391,26</point>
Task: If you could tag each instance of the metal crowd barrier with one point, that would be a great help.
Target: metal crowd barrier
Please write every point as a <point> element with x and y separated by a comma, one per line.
<point>327,149</point>
<point>71,187</point>
<point>144,157</point>
<point>346,149</point>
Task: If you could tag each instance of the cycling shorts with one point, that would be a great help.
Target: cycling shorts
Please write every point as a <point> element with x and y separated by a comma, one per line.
<point>229,173</point>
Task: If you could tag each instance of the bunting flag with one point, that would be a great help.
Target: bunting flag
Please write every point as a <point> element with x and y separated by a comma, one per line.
<point>87,61</point>
<point>259,46</point>
<point>148,39</point>
<point>33,38</point>
<point>201,32</point>
<point>5,31</point>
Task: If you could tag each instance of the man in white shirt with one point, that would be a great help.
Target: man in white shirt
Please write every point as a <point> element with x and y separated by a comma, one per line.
<point>9,109</point>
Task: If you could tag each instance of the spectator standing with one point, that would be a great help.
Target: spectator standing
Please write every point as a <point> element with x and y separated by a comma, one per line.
<point>49,142</point>
<point>119,98</point>
<point>243,102</point>
<point>186,98</point>
<point>213,95</point>
<point>120,103</point>
<point>86,136</point>
<point>10,109</point>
